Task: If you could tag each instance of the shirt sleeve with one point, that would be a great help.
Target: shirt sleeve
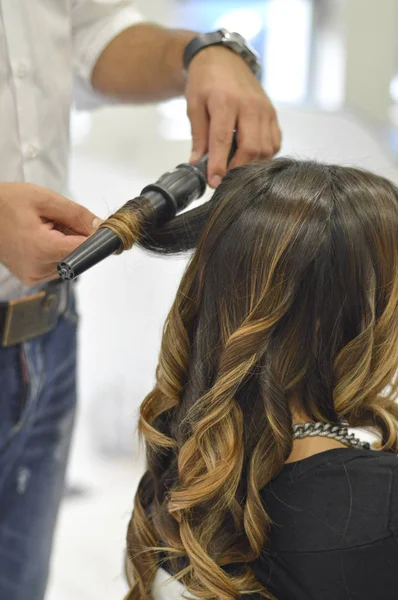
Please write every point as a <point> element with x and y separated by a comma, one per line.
<point>95,23</point>
<point>394,505</point>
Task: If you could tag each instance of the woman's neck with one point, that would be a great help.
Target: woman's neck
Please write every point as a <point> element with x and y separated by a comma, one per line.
<point>305,447</point>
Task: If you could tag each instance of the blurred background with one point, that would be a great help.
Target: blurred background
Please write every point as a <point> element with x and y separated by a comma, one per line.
<point>331,68</point>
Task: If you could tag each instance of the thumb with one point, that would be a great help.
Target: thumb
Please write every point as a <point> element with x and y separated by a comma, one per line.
<point>68,214</point>
<point>200,130</point>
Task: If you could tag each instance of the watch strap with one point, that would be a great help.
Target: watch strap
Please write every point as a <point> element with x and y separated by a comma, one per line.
<point>199,42</point>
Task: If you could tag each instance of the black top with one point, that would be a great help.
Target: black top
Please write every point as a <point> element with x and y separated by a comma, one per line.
<point>335,532</point>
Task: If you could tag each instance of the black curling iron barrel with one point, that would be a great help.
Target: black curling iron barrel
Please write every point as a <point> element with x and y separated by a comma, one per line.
<point>171,193</point>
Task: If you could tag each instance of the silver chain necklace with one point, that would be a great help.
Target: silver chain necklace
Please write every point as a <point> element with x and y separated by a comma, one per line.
<point>329,430</point>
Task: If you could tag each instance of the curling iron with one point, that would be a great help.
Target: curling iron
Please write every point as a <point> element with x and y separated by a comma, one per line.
<point>169,195</point>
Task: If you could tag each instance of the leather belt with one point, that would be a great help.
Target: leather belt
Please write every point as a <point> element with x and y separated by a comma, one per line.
<point>26,318</point>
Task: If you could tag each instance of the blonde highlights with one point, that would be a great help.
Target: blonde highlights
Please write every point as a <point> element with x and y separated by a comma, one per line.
<point>131,222</point>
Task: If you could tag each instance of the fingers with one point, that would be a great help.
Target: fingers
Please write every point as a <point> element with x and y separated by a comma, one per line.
<point>48,275</point>
<point>259,137</point>
<point>67,213</point>
<point>222,125</point>
<point>47,270</point>
<point>223,95</point>
<point>197,113</point>
<point>56,246</point>
<point>249,138</point>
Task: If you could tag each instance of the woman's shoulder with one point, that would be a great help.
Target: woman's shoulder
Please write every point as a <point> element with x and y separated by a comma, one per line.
<point>354,458</point>
<point>359,467</point>
<point>344,495</point>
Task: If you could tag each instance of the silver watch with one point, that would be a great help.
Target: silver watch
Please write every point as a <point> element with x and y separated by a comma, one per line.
<point>222,37</point>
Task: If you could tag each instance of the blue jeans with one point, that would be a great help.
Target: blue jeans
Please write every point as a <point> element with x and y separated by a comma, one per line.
<point>37,408</point>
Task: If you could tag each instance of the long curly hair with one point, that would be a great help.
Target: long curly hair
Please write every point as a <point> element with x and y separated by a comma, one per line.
<point>291,291</point>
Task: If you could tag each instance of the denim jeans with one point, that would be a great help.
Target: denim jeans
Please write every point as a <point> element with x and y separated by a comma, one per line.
<point>37,408</point>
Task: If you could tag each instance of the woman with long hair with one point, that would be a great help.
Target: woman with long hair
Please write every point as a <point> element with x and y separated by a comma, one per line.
<point>283,333</point>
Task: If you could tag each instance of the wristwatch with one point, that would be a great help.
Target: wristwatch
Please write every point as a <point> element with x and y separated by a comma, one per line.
<point>222,37</point>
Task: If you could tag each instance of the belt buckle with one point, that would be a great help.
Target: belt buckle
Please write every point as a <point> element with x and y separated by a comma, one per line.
<point>29,317</point>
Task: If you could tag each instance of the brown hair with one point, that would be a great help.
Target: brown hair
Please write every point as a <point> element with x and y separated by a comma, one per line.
<point>292,290</point>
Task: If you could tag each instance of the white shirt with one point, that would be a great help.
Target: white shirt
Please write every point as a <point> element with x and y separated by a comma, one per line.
<point>48,49</point>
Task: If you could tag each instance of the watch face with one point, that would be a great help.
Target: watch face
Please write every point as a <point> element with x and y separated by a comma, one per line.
<point>242,46</point>
<point>236,37</point>
<point>232,40</point>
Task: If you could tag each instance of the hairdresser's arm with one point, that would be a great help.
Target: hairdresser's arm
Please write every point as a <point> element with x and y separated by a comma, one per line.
<point>144,63</point>
<point>38,228</point>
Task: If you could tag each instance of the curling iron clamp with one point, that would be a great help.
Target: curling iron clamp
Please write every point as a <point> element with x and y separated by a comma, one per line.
<point>171,194</point>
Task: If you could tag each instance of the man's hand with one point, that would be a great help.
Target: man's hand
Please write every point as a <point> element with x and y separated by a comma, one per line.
<point>38,229</point>
<point>223,95</point>
<point>145,63</point>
